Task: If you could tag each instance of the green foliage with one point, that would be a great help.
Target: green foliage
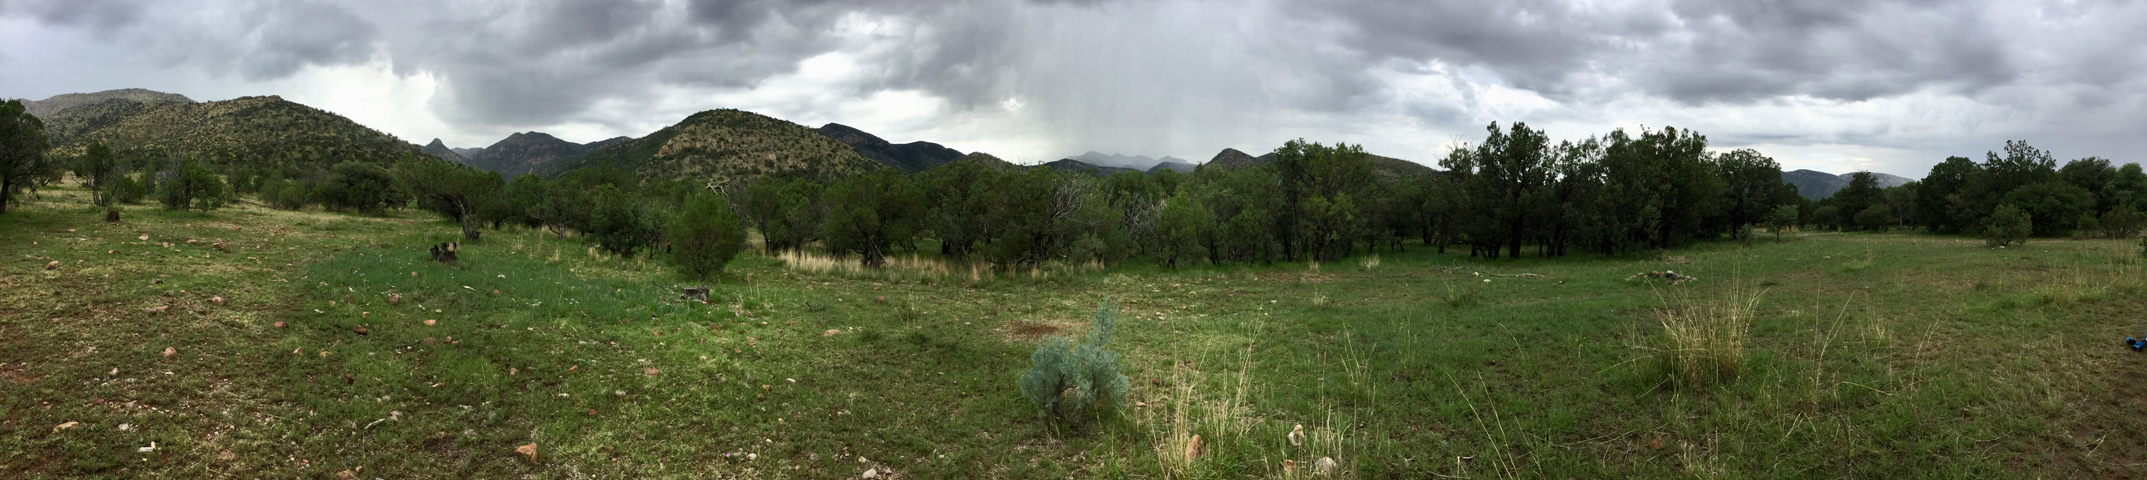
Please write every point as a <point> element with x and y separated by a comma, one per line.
<point>453,191</point>
<point>23,162</point>
<point>869,214</point>
<point>959,193</point>
<point>1877,218</point>
<point>361,187</point>
<point>1320,215</point>
<point>192,186</point>
<point>786,211</point>
<point>95,169</point>
<point>621,223</point>
<point>706,236</point>
<point>125,189</point>
<point>259,132</point>
<point>1783,218</point>
<point>2056,207</point>
<point>1182,231</point>
<point>2122,222</point>
<point>1069,381</point>
<point>2008,225</point>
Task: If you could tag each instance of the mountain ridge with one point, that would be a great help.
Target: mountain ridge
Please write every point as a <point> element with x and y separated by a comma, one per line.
<point>910,157</point>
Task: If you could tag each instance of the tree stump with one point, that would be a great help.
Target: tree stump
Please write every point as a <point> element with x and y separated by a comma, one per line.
<point>111,216</point>
<point>444,253</point>
<point>699,293</point>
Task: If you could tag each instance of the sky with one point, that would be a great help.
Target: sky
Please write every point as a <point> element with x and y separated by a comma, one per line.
<point>1829,85</point>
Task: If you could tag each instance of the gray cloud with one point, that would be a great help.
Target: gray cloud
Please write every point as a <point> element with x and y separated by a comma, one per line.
<point>1187,77</point>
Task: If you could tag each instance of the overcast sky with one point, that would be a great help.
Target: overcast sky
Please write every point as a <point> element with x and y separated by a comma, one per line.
<point>1834,85</point>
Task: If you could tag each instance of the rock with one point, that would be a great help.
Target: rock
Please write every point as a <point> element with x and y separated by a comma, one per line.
<point>169,351</point>
<point>871,473</point>
<point>429,322</point>
<point>880,299</point>
<point>651,371</point>
<point>1297,436</point>
<point>395,297</point>
<point>1325,467</point>
<point>279,324</point>
<point>65,426</point>
<point>216,300</point>
<point>361,330</point>
<point>52,265</point>
<point>830,333</point>
<point>346,475</point>
<point>529,451</point>
<point>156,281</point>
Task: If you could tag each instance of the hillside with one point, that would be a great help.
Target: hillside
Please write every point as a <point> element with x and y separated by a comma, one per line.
<point>1390,166</point>
<point>58,103</point>
<point>731,144</point>
<point>1135,162</point>
<point>439,149</point>
<point>532,152</point>
<point>259,131</point>
<point>1180,167</point>
<point>1816,185</point>
<point>910,157</point>
<point>1071,165</point>
<point>988,160</point>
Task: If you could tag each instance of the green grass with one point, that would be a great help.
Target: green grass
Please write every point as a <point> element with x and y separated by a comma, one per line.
<point>1865,356</point>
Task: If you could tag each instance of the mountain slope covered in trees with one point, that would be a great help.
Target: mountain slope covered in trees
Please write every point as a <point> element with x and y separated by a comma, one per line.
<point>58,103</point>
<point>1815,184</point>
<point>910,157</point>
<point>263,132</point>
<point>439,149</point>
<point>1232,158</point>
<point>729,144</point>
<point>532,152</point>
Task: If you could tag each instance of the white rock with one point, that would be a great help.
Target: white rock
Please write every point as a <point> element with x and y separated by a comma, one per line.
<point>1325,467</point>
<point>871,473</point>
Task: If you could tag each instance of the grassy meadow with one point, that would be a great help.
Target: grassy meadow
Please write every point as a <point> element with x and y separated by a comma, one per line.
<point>259,343</point>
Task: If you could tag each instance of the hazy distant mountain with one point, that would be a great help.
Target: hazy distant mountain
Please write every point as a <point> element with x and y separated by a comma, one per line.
<point>730,144</point>
<point>533,152</point>
<point>1072,165</point>
<point>467,152</point>
<point>910,157</point>
<point>58,103</point>
<point>1180,167</point>
<point>1134,162</point>
<point>262,132</point>
<point>1816,185</point>
<point>439,149</point>
<point>1232,158</point>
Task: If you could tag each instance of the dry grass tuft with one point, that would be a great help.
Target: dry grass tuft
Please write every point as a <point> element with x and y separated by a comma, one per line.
<point>1704,342</point>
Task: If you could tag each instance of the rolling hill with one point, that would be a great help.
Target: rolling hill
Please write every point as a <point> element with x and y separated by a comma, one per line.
<point>729,144</point>
<point>44,109</point>
<point>1232,158</point>
<point>1816,185</point>
<point>263,132</point>
<point>533,152</point>
<point>439,149</point>
<point>910,157</point>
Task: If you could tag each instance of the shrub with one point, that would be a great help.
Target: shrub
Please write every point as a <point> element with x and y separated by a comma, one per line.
<point>193,186</point>
<point>2122,222</point>
<point>1877,218</point>
<point>2008,225</point>
<point>706,236</point>
<point>126,190</point>
<point>1068,381</point>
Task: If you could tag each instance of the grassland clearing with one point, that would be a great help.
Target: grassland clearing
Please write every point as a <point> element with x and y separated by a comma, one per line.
<point>1863,355</point>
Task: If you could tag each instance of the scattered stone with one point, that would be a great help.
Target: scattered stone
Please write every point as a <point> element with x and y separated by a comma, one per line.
<point>529,451</point>
<point>395,297</point>
<point>1325,467</point>
<point>650,371</point>
<point>871,473</point>
<point>1297,436</point>
<point>880,299</point>
<point>348,378</point>
<point>346,475</point>
<point>216,300</point>
<point>144,237</point>
<point>169,351</point>
<point>65,426</point>
<point>156,281</point>
<point>52,265</point>
<point>429,322</point>
<point>830,333</point>
<point>361,330</point>
<point>279,324</point>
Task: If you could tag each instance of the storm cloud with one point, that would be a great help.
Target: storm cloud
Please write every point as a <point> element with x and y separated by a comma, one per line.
<point>1835,85</point>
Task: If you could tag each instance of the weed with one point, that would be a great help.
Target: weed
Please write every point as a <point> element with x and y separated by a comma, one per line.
<point>1704,342</point>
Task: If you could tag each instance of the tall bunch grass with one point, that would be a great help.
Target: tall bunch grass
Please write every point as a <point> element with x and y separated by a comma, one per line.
<point>1704,341</point>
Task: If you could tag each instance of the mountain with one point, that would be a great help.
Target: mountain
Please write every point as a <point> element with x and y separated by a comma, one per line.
<point>910,157</point>
<point>729,144</point>
<point>989,161</point>
<point>1180,167</point>
<point>1071,165</point>
<point>1816,185</point>
<point>265,132</point>
<point>439,149</point>
<point>1231,158</point>
<point>533,152</point>
<point>467,152</point>
<point>59,103</point>
<point>1135,162</point>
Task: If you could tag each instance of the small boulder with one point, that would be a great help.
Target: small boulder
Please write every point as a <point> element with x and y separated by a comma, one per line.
<point>52,265</point>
